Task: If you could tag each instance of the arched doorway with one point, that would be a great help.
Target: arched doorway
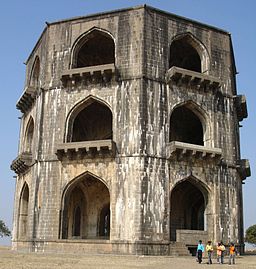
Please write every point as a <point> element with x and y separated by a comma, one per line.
<point>188,204</point>
<point>86,209</point>
<point>23,212</point>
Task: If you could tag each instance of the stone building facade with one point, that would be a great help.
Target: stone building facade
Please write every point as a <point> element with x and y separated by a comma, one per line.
<point>129,139</point>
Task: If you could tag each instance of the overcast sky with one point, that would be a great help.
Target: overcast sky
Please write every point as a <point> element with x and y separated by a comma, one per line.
<point>22,22</point>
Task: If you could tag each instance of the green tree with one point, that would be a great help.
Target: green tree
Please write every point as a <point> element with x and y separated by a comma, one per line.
<point>250,235</point>
<point>4,231</point>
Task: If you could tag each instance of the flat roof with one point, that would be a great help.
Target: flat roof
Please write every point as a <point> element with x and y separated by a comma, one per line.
<point>172,15</point>
<point>136,8</point>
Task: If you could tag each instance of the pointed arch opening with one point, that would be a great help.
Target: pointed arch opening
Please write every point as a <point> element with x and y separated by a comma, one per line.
<point>23,212</point>
<point>91,120</point>
<point>34,79</point>
<point>188,202</point>
<point>96,47</point>
<point>86,209</point>
<point>186,126</point>
<point>188,53</point>
<point>29,134</point>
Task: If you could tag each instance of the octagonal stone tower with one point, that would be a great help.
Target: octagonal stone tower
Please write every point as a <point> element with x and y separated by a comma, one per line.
<point>129,138</point>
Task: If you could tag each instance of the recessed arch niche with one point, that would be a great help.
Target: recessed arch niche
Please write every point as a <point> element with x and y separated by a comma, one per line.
<point>188,203</point>
<point>86,209</point>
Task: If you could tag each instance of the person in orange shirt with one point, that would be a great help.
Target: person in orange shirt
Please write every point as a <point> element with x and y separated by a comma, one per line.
<point>232,253</point>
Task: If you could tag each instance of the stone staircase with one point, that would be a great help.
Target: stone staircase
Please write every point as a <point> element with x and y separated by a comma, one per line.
<point>178,249</point>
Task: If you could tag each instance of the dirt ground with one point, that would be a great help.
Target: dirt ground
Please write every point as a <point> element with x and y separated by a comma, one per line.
<point>16,260</point>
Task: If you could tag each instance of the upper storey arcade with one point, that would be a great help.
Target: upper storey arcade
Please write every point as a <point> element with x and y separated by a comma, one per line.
<point>107,49</point>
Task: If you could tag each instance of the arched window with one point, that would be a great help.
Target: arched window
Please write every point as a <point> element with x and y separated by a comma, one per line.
<point>185,126</point>
<point>29,135</point>
<point>188,204</point>
<point>92,122</point>
<point>86,209</point>
<point>34,80</point>
<point>187,52</point>
<point>23,212</point>
<point>184,55</point>
<point>95,48</point>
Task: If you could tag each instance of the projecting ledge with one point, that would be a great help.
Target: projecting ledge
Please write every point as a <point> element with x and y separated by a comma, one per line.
<point>179,75</point>
<point>94,73</point>
<point>244,168</point>
<point>241,107</point>
<point>22,163</point>
<point>86,149</point>
<point>26,100</point>
<point>183,150</point>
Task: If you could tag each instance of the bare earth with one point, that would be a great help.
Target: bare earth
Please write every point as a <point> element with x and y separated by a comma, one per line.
<point>16,260</point>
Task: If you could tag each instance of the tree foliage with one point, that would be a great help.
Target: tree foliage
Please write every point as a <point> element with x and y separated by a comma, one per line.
<point>4,231</point>
<point>250,235</point>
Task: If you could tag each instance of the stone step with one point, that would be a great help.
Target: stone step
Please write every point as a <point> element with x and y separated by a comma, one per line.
<point>178,249</point>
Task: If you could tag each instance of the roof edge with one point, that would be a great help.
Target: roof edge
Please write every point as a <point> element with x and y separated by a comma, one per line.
<point>187,19</point>
<point>141,7</point>
<point>144,6</point>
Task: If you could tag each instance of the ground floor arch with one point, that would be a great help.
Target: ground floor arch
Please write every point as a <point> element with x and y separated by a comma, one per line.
<point>85,209</point>
<point>23,212</point>
<point>188,202</point>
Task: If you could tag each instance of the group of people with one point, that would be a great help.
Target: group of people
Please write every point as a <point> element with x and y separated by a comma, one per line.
<point>220,252</point>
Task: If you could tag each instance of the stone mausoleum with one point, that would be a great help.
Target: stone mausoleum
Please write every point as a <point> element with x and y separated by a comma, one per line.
<point>129,139</point>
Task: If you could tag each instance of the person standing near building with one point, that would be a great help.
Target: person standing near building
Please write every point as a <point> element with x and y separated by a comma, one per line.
<point>232,253</point>
<point>220,253</point>
<point>209,250</point>
<point>200,251</point>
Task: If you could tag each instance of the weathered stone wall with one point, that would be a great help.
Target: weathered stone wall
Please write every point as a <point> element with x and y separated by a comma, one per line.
<point>141,176</point>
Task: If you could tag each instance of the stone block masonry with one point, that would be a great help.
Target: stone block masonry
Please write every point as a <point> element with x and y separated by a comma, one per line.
<point>129,137</point>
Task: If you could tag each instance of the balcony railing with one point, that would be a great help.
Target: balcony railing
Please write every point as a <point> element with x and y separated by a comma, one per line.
<point>86,149</point>
<point>26,100</point>
<point>184,150</point>
<point>183,76</point>
<point>93,74</point>
<point>22,163</point>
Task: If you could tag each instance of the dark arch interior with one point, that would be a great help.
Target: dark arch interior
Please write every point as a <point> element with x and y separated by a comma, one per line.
<point>104,223</point>
<point>94,122</point>
<point>98,49</point>
<point>77,222</point>
<point>186,127</point>
<point>86,212</point>
<point>23,212</point>
<point>183,55</point>
<point>35,73</point>
<point>187,208</point>
<point>29,136</point>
